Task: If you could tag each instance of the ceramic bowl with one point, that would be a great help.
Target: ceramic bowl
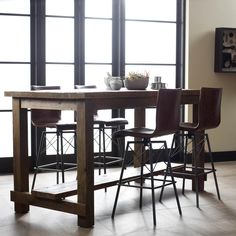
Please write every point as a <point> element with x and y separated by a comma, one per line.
<point>136,84</point>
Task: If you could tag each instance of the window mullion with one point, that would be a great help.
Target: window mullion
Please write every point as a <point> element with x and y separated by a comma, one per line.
<point>180,42</point>
<point>79,42</point>
<point>38,42</point>
<point>116,38</point>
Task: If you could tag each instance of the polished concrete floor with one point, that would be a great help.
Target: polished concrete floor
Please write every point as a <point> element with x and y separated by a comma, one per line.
<point>213,218</point>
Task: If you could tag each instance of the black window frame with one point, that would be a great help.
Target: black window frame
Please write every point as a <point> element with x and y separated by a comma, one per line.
<point>38,60</point>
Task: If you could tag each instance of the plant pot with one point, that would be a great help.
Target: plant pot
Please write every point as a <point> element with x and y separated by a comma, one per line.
<point>136,84</point>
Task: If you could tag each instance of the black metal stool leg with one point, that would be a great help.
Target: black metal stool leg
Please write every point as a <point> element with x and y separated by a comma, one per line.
<point>167,170</point>
<point>175,189</point>
<point>163,185</point>
<point>37,159</point>
<point>141,179</point>
<point>173,180</point>
<point>213,167</point>
<point>62,157</point>
<point>184,167</point>
<point>120,181</point>
<point>104,150</point>
<point>58,156</point>
<point>152,184</point>
<point>195,170</point>
<point>99,149</point>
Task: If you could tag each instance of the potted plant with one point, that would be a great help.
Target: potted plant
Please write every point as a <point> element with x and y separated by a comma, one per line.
<point>136,81</point>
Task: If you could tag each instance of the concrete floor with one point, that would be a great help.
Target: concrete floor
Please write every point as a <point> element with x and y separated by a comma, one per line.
<point>213,218</point>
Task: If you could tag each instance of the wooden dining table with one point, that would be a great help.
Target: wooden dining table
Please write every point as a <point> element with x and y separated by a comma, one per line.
<point>85,102</point>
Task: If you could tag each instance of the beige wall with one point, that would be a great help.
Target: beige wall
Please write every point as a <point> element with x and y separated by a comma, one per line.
<point>204,16</point>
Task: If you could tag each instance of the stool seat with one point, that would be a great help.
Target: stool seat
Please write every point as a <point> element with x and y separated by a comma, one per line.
<point>111,122</point>
<point>188,126</point>
<point>141,132</point>
<point>66,126</point>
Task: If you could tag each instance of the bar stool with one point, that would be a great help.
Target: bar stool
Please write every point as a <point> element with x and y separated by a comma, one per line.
<point>112,124</point>
<point>209,117</point>
<point>51,119</point>
<point>167,122</point>
<point>104,139</point>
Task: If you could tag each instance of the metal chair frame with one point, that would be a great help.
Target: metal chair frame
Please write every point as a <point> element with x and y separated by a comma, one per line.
<point>104,140</point>
<point>208,118</point>
<point>167,121</point>
<point>50,119</point>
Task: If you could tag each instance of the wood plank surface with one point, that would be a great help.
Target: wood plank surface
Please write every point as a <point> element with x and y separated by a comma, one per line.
<point>60,191</point>
<point>189,94</point>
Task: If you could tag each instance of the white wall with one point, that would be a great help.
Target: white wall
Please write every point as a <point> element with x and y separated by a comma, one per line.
<point>204,16</point>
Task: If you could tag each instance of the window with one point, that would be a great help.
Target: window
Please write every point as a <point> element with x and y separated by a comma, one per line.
<point>79,41</point>
<point>14,61</point>
<point>59,49</point>
<point>98,40</point>
<point>150,43</point>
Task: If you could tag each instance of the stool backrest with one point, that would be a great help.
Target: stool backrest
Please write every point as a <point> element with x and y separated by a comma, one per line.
<point>41,117</point>
<point>168,111</point>
<point>209,114</point>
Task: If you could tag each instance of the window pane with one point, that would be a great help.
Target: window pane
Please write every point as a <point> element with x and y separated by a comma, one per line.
<point>15,6</point>
<point>95,74</point>
<point>59,40</point>
<point>167,74</point>
<point>98,41</point>
<point>15,38</point>
<point>101,8</point>
<point>7,134</point>
<point>60,7</point>
<point>62,75</point>
<point>150,42</point>
<point>164,10</point>
<point>15,77</point>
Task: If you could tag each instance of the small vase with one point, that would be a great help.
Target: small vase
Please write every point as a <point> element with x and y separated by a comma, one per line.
<point>107,82</point>
<point>115,83</point>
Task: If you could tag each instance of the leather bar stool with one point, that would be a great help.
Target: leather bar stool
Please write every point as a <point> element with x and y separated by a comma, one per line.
<point>209,117</point>
<point>50,121</point>
<point>167,122</point>
<point>103,125</point>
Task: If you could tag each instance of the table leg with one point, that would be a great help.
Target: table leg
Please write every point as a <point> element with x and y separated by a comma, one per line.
<point>21,159</point>
<point>85,171</point>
